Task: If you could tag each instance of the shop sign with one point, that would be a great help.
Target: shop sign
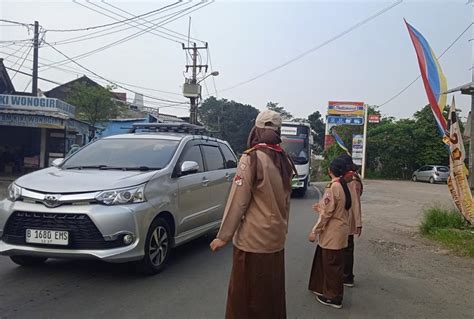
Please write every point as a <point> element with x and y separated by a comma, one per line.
<point>35,103</point>
<point>346,108</point>
<point>346,120</point>
<point>39,121</point>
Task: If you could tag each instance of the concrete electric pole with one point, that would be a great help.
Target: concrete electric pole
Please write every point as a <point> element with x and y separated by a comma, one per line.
<point>191,88</point>
<point>34,87</point>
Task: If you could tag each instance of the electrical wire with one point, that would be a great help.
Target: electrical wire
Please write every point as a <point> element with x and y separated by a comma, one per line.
<point>184,36</point>
<point>102,33</point>
<point>134,24</point>
<point>27,25</point>
<point>169,20</point>
<point>419,76</point>
<point>212,70</point>
<point>28,74</point>
<point>111,82</point>
<point>23,62</point>
<point>319,46</point>
<point>113,23</point>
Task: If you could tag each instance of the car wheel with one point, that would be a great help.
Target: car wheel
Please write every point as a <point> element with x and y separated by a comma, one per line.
<point>28,260</point>
<point>157,248</point>
<point>432,181</point>
<point>414,178</point>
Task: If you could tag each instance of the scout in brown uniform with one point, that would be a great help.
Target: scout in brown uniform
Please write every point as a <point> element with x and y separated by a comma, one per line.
<point>256,217</point>
<point>355,186</point>
<point>332,227</point>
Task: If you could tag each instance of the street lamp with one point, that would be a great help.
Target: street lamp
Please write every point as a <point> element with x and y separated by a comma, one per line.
<point>215,73</point>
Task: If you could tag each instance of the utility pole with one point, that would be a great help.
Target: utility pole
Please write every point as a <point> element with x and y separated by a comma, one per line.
<point>364,150</point>
<point>192,88</point>
<point>34,88</point>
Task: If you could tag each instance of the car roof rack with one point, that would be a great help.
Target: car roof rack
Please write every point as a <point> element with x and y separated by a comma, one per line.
<point>169,128</point>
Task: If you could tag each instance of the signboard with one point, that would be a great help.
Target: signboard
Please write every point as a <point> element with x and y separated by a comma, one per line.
<point>31,121</point>
<point>374,118</point>
<point>357,148</point>
<point>345,120</point>
<point>289,130</point>
<point>35,103</point>
<point>346,108</point>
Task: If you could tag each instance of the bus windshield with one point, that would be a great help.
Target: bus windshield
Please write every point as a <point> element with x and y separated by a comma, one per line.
<point>297,148</point>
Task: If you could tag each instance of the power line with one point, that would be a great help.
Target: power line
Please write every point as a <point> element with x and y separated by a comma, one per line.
<point>24,73</point>
<point>325,43</point>
<point>212,70</point>
<point>169,20</point>
<point>134,24</point>
<point>170,30</point>
<point>419,76</point>
<point>71,70</point>
<point>102,33</point>
<point>27,25</point>
<point>111,82</point>
<point>23,62</point>
<point>113,23</point>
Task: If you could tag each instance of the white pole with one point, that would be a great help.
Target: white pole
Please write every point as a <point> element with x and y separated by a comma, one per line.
<point>364,148</point>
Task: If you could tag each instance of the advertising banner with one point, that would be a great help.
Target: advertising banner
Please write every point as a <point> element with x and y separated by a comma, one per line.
<point>357,148</point>
<point>346,108</point>
<point>345,120</point>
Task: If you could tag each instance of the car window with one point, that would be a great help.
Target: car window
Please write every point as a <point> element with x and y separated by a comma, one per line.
<point>443,169</point>
<point>230,160</point>
<point>213,157</point>
<point>422,169</point>
<point>193,154</point>
<point>429,168</point>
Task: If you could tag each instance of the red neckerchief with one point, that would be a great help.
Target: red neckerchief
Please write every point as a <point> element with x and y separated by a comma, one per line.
<point>274,147</point>
<point>351,175</point>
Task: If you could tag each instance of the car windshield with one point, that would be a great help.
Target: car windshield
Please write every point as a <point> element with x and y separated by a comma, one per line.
<point>443,169</point>
<point>123,153</point>
<point>296,148</point>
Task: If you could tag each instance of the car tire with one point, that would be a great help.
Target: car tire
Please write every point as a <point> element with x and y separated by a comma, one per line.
<point>414,178</point>
<point>28,261</point>
<point>432,181</point>
<point>157,248</point>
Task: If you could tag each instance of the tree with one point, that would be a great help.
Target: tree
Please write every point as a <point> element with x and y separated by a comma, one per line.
<point>232,121</point>
<point>94,104</point>
<point>319,127</point>
<point>285,115</point>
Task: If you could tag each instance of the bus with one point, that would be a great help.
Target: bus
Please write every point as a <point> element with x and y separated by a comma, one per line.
<point>296,141</point>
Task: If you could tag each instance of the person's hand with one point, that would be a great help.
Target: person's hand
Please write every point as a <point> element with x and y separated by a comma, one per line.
<point>217,244</point>
<point>358,231</point>
<point>312,237</point>
<point>316,207</point>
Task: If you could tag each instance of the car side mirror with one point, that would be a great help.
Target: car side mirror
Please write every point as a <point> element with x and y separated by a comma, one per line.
<point>189,167</point>
<point>57,162</point>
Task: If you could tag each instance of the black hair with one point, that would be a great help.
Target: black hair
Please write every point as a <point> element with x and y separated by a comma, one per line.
<point>348,163</point>
<point>338,168</point>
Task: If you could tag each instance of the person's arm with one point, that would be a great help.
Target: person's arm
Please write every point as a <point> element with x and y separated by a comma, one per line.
<point>327,207</point>
<point>238,201</point>
<point>357,210</point>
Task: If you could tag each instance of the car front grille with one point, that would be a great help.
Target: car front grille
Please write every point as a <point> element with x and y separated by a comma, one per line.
<point>83,233</point>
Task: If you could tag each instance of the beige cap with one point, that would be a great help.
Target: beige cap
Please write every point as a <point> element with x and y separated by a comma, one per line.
<point>266,117</point>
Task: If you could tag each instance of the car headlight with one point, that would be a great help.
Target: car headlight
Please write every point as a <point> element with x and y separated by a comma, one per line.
<point>14,192</point>
<point>130,195</point>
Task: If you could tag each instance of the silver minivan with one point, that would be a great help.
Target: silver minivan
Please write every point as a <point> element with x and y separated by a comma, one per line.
<point>432,174</point>
<point>130,197</point>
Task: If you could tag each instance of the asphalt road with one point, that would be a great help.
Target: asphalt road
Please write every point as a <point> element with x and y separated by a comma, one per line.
<point>398,274</point>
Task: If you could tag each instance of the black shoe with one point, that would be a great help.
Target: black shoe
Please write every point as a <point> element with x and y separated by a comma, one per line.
<point>329,302</point>
<point>349,283</point>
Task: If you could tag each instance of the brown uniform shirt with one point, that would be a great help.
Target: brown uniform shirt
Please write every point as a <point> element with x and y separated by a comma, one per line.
<point>333,223</point>
<point>256,215</point>
<point>355,187</point>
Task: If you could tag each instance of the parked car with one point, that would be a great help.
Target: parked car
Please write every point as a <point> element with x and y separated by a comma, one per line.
<point>431,173</point>
<point>130,197</point>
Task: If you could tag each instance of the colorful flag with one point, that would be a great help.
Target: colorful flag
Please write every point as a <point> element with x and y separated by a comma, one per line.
<point>457,181</point>
<point>432,75</point>
<point>339,141</point>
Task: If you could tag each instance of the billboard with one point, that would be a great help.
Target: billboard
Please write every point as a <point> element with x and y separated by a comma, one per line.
<point>346,108</point>
<point>357,148</point>
<point>374,118</point>
<point>345,120</point>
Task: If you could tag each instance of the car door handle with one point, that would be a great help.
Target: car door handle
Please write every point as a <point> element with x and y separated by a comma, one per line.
<point>205,182</point>
<point>228,177</point>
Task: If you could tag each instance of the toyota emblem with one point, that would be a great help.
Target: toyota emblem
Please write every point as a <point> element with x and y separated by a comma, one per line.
<point>51,200</point>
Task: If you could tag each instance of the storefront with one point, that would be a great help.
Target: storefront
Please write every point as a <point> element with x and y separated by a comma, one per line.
<point>36,130</point>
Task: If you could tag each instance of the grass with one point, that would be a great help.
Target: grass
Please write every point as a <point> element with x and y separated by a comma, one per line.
<point>450,229</point>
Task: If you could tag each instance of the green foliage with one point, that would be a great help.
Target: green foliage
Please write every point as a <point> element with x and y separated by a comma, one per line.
<point>319,127</point>
<point>94,103</point>
<point>329,155</point>
<point>230,120</point>
<point>450,229</point>
<point>285,115</point>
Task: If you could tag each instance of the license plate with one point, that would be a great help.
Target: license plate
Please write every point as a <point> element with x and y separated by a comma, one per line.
<point>47,237</point>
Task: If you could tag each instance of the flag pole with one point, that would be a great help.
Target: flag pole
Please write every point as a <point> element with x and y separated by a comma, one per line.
<point>364,144</point>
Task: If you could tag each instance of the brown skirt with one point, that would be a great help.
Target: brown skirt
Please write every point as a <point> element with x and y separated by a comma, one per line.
<point>327,273</point>
<point>257,286</point>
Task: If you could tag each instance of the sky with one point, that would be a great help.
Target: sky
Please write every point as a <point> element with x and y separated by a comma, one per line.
<point>246,38</point>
